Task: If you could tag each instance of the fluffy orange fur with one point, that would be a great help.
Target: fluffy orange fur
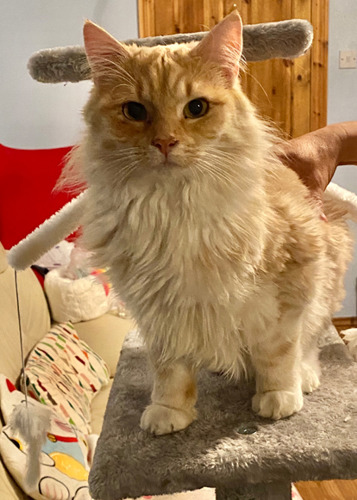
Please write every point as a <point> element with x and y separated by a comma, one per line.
<point>214,245</point>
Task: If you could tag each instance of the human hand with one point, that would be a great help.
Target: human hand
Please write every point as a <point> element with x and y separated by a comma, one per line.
<point>312,161</point>
<point>316,155</point>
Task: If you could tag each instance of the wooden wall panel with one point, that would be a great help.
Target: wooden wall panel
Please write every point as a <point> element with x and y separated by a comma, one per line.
<point>319,60</point>
<point>165,20</point>
<point>242,6</point>
<point>213,12</point>
<point>191,15</point>
<point>291,93</point>
<point>146,14</point>
<point>301,79</point>
<point>268,82</point>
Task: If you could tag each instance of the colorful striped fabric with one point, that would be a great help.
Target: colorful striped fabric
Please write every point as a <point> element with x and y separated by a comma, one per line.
<point>64,372</point>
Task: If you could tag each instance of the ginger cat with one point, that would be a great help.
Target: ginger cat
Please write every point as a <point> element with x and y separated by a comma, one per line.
<point>212,243</point>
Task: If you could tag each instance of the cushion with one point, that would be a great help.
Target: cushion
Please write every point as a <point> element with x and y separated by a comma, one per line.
<point>63,371</point>
<point>63,460</point>
<point>75,299</point>
<point>8,487</point>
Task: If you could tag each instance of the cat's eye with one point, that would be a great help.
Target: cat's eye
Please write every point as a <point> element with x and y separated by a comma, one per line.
<point>196,108</point>
<point>134,111</point>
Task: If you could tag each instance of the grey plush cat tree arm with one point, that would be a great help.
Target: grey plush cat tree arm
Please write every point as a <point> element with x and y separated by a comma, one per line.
<point>284,39</point>
<point>221,449</point>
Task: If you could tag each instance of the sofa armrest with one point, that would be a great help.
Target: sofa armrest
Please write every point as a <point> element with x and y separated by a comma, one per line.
<point>8,487</point>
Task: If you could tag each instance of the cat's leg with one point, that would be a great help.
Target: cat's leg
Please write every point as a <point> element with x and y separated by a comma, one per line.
<point>310,370</point>
<point>173,400</point>
<point>276,357</point>
<point>317,320</point>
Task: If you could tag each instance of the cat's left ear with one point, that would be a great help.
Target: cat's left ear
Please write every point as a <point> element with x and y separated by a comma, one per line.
<point>104,52</point>
<point>223,45</point>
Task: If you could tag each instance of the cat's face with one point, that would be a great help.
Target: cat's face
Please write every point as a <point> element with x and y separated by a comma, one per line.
<point>166,107</point>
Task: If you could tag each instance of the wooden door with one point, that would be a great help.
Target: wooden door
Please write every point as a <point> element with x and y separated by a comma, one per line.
<point>291,93</point>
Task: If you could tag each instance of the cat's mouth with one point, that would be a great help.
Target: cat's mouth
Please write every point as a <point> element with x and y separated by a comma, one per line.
<point>168,163</point>
<point>172,161</point>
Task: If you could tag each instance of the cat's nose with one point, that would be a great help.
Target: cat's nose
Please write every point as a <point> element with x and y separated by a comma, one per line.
<point>165,145</point>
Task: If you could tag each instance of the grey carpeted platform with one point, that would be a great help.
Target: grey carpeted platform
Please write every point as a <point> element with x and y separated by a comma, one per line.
<point>217,450</point>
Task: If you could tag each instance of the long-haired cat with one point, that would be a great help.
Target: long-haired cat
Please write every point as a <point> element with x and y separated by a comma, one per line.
<point>211,241</point>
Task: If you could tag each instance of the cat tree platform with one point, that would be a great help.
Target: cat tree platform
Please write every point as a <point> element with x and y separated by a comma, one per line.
<point>228,448</point>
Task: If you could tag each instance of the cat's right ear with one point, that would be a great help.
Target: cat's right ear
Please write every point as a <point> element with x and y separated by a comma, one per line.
<point>104,52</point>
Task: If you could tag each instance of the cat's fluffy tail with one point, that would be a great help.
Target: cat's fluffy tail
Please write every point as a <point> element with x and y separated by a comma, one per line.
<point>48,234</point>
<point>343,198</point>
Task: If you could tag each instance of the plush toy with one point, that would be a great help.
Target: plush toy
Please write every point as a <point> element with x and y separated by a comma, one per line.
<point>54,455</point>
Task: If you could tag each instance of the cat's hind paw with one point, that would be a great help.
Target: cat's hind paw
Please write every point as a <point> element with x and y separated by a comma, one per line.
<point>310,380</point>
<point>160,420</point>
<point>350,338</point>
<point>277,404</point>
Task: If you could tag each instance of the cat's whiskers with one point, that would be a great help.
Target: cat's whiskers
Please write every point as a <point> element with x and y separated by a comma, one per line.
<point>250,75</point>
<point>123,153</point>
<point>124,174</point>
<point>219,154</point>
<point>218,173</point>
<point>195,173</point>
<point>123,162</point>
<point>222,153</point>
<point>204,170</point>
<point>120,158</point>
<point>215,173</point>
<point>242,180</point>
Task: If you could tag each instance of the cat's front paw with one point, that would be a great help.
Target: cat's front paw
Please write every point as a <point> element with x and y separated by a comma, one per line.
<point>277,404</point>
<point>160,420</point>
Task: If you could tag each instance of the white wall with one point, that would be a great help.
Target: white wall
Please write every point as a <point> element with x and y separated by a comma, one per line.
<point>40,116</point>
<point>342,106</point>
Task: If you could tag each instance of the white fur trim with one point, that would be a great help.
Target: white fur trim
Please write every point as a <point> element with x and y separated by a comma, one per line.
<point>346,198</point>
<point>47,235</point>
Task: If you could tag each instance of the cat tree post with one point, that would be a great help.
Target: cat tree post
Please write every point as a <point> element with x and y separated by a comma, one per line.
<point>229,448</point>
